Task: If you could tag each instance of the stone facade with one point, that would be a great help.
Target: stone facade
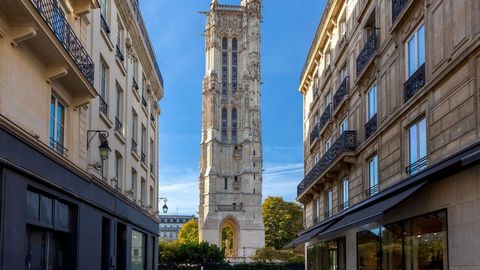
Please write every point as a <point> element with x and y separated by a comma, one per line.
<point>230,181</point>
<point>376,71</point>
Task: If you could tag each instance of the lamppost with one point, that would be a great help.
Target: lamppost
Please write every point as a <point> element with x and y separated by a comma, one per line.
<point>103,149</point>
<point>165,207</point>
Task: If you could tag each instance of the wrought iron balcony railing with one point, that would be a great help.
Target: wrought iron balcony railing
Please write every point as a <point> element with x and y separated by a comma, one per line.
<point>372,190</point>
<point>103,107</point>
<point>104,24</point>
<point>230,208</point>
<point>135,84</point>
<point>417,166</point>
<point>314,133</point>
<point>152,118</point>
<point>346,142</point>
<point>327,114</point>
<point>342,91</point>
<point>58,147</point>
<point>118,53</point>
<point>367,52</point>
<point>414,83</point>
<point>143,157</point>
<point>118,124</point>
<point>344,206</point>
<point>397,7</point>
<point>144,102</point>
<point>53,16</point>
<point>371,126</point>
<point>134,146</point>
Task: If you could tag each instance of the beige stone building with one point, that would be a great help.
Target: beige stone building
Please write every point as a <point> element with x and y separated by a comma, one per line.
<point>230,181</point>
<point>391,136</point>
<point>76,76</point>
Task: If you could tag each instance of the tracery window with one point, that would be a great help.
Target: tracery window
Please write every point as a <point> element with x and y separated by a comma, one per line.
<point>224,125</point>
<point>234,64</point>
<point>224,66</point>
<point>234,125</point>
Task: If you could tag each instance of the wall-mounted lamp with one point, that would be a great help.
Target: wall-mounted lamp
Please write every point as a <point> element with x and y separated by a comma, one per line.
<point>103,149</point>
<point>165,207</point>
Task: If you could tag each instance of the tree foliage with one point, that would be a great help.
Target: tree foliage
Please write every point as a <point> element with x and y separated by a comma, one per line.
<point>189,232</point>
<point>189,253</point>
<point>282,220</point>
<point>271,255</point>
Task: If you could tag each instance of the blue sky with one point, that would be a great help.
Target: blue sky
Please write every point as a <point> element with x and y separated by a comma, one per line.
<point>176,30</point>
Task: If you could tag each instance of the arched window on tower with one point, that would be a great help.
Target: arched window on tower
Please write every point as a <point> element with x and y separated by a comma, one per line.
<point>234,65</point>
<point>234,125</point>
<point>224,125</point>
<point>224,66</point>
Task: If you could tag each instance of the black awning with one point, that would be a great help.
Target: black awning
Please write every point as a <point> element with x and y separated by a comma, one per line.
<point>309,234</point>
<point>370,213</point>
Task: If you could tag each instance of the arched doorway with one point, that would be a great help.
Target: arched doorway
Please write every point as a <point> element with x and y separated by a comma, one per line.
<point>229,237</point>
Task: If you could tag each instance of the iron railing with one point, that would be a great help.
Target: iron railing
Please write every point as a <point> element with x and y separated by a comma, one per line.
<point>371,126</point>
<point>58,147</point>
<point>414,83</point>
<point>103,107</point>
<point>344,206</point>
<point>104,24</point>
<point>144,101</point>
<point>118,124</point>
<point>397,7</point>
<point>230,208</point>
<point>346,142</point>
<point>143,157</point>
<point>134,146</point>
<point>152,118</point>
<point>417,166</point>
<point>118,53</point>
<point>134,83</point>
<point>372,190</point>
<point>342,91</point>
<point>327,114</point>
<point>314,133</point>
<point>143,30</point>
<point>367,52</point>
<point>53,15</point>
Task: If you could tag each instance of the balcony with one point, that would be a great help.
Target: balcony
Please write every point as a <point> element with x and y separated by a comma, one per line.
<point>134,146</point>
<point>314,134</point>
<point>372,190</point>
<point>135,84</point>
<point>367,53</point>
<point>143,157</point>
<point>347,142</point>
<point>230,208</point>
<point>342,91</point>
<point>397,7</point>
<point>58,147</point>
<point>327,114</point>
<point>344,206</point>
<point>371,126</point>
<point>119,54</point>
<point>328,215</point>
<point>103,107</point>
<point>152,118</point>
<point>417,166</point>
<point>118,125</point>
<point>414,83</point>
<point>104,25</point>
<point>144,102</point>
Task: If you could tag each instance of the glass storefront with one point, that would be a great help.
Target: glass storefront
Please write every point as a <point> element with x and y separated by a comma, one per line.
<point>138,251</point>
<point>329,255</point>
<point>415,244</point>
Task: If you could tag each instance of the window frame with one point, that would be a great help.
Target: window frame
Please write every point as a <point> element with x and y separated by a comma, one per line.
<point>372,101</point>
<point>414,35</point>
<point>57,104</point>
<point>372,182</point>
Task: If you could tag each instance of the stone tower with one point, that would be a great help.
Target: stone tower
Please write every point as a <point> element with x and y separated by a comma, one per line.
<point>230,181</point>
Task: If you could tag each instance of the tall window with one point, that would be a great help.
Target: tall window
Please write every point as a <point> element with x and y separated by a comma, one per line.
<point>143,142</point>
<point>119,105</point>
<point>329,203</point>
<point>224,66</point>
<point>120,39</point>
<point>416,50</point>
<point>57,125</point>
<point>328,144</point>
<point>135,72</point>
<point>317,158</point>
<point>152,197</point>
<point>118,170</point>
<point>134,128</point>
<point>345,193</point>
<point>133,187</point>
<point>103,8</point>
<point>342,26</point>
<point>144,88</point>
<point>234,125</point>
<point>143,195</point>
<point>224,125</point>
<point>328,98</point>
<point>103,80</point>
<point>373,175</point>
<point>418,146</point>
<point>234,65</point>
<point>152,157</point>
<point>138,260</point>
<point>343,73</point>
<point>226,183</point>
<point>330,255</point>
<point>317,209</point>
<point>344,125</point>
<point>372,102</point>
<point>327,58</point>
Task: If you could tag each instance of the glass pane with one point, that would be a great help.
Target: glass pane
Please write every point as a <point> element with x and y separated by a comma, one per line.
<point>138,251</point>
<point>311,258</point>
<point>421,45</point>
<point>368,246</point>
<point>33,203</point>
<point>56,252</point>
<point>36,252</point>
<point>422,128</point>
<point>62,215</point>
<point>46,207</point>
<point>413,144</point>
<point>392,246</point>
<point>60,113</point>
<point>412,57</point>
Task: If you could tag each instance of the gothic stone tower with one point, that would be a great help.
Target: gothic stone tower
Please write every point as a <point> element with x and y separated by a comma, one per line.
<point>230,181</point>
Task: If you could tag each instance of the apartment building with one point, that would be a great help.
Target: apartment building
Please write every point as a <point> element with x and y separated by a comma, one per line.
<point>391,136</point>
<point>170,226</point>
<point>79,93</point>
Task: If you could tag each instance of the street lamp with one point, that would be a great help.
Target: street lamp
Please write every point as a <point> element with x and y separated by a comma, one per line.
<point>165,207</point>
<point>103,149</point>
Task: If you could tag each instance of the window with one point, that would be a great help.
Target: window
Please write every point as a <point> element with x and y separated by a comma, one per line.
<point>328,144</point>
<point>152,197</point>
<point>330,255</point>
<point>103,80</point>
<point>133,186</point>
<point>152,157</point>
<point>118,170</point>
<point>143,142</point>
<point>134,130</point>
<point>135,73</point>
<point>372,102</point>
<point>417,147</point>
<point>329,204</point>
<point>57,125</point>
<point>103,8</point>
<point>144,89</point>
<point>344,125</point>
<point>368,249</point>
<point>317,158</point>
<point>373,176</point>
<point>317,209</point>
<point>343,73</point>
<point>224,66</point>
<point>342,26</point>
<point>415,50</point>
<point>328,98</point>
<point>327,58</point>
<point>143,195</point>
<point>106,236</point>
<point>120,40</point>
<point>119,106</point>
<point>234,65</point>
<point>224,125</point>
<point>345,194</point>
<point>138,261</point>
<point>226,183</point>
<point>234,125</point>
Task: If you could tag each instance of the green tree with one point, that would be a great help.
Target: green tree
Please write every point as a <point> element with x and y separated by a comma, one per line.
<point>189,232</point>
<point>282,220</point>
<point>271,255</point>
<point>189,253</point>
